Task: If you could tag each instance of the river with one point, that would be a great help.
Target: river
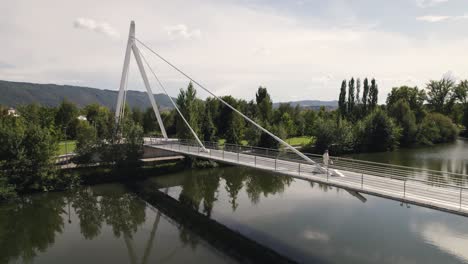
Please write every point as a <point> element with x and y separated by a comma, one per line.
<point>302,221</point>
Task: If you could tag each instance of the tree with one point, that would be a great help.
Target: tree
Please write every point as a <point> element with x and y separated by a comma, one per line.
<point>101,119</point>
<point>351,98</point>
<point>461,93</point>
<point>377,132</point>
<point>137,116</point>
<point>208,128</point>
<point>264,104</point>
<point>437,128</point>
<point>335,135</point>
<point>189,106</point>
<point>365,95</point>
<point>342,106</point>
<point>412,95</point>
<point>27,153</point>
<point>406,119</point>
<point>86,137</point>
<point>440,95</point>
<point>149,121</point>
<point>373,95</point>
<point>231,125</point>
<point>66,118</point>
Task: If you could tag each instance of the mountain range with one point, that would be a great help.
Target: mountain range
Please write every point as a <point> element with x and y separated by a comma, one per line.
<point>13,94</point>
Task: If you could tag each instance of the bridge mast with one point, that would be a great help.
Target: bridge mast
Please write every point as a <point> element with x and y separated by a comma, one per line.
<point>131,47</point>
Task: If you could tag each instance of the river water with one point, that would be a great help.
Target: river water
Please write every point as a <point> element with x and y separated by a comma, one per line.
<point>302,221</point>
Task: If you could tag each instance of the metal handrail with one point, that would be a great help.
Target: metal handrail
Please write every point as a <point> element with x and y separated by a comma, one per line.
<point>367,167</point>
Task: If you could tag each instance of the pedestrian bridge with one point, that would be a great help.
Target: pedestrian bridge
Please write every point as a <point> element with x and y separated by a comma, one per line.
<point>435,189</point>
<point>428,188</point>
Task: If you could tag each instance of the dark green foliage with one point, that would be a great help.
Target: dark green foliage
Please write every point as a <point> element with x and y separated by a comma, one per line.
<point>334,135</point>
<point>87,141</point>
<point>208,128</point>
<point>190,107</point>
<point>365,95</point>
<point>26,154</point>
<point>231,125</point>
<point>377,132</point>
<point>351,96</point>
<point>412,95</point>
<point>264,104</point>
<point>406,119</point>
<point>66,119</point>
<point>437,128</point>
<point>342,106</point>
<point>440,95</point>
<point>461,94</point>
<point>373,95</point>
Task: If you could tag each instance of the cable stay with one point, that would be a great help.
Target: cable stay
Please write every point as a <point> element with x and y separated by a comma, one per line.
<point>300,154</point>
<point>174,104</point>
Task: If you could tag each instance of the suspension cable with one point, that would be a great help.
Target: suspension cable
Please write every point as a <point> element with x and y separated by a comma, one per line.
<point>173,103</point>
<point>228,105</point>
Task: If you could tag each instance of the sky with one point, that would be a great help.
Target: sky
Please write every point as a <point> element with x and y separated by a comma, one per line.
<point>298,49</point>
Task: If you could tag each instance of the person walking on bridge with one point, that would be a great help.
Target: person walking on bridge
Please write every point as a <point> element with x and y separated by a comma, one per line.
<point>326,158</point>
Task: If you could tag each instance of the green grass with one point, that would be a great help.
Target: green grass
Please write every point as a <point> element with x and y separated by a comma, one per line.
<point>222,141</point>
<point>299,141</point>
<point>66,147</point>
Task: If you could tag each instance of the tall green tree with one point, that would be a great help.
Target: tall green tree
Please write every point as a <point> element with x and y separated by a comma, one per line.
<point>358,91</point>
<point>351,96</point>
<point>264,104</point>
<point>208,127</point>
<point>232,125</point>
<point>189,106</point>
<point>461,93</point>
<point>365,95</point>
<point>342,106</point>
<point>440,95</point>
<point>373,94</point>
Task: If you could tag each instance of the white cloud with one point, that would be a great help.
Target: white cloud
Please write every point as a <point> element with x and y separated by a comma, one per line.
<point>182,31</point>
<point>429,3</point>
<point>99,27</point>
<point>433,19</point>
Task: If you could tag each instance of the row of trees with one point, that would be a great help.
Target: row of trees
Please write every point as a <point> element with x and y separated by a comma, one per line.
<point>410,116</point>
<point>355,106</point>
<point>29,144</point>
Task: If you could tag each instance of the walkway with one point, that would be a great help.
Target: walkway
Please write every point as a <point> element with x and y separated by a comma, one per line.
<point>433,189</point>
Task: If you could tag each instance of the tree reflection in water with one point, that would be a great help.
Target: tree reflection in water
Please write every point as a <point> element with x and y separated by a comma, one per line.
<point>201,187</point>
<point>29,226</point>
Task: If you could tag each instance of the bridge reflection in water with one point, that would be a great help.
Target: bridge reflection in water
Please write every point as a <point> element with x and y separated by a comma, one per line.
<point>433,189</point>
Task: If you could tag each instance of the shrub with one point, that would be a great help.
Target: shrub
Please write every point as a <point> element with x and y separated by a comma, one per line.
<point>437,128</point>
<point>377,132</point>
<point>335,135</point>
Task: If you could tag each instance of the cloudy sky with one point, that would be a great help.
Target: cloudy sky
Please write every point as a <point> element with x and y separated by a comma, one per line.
<point>298,49</point>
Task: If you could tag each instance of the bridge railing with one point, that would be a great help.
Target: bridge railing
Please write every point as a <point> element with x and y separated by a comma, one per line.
<point>364,175</point>
<point>432,177</point>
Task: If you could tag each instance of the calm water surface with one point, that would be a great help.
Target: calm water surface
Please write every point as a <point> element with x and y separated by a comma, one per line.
<point>304,221</point>
<point>451,157</point>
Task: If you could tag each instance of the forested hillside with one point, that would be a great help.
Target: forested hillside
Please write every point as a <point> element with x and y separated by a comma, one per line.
<point>16,93</point>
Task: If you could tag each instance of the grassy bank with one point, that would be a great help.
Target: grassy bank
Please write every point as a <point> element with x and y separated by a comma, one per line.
<point>66,147</point>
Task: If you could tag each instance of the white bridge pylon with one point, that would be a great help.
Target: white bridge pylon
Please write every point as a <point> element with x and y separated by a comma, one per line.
<point>132,48</point>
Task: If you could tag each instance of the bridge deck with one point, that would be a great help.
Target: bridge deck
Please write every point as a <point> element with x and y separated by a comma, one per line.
<point>433,195</point>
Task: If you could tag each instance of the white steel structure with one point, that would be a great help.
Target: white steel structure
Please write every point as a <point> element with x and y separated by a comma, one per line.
<point>132,48</point>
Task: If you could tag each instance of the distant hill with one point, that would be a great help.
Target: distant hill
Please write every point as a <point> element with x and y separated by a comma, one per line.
<point>311,104</point>
<point>13,94</point>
